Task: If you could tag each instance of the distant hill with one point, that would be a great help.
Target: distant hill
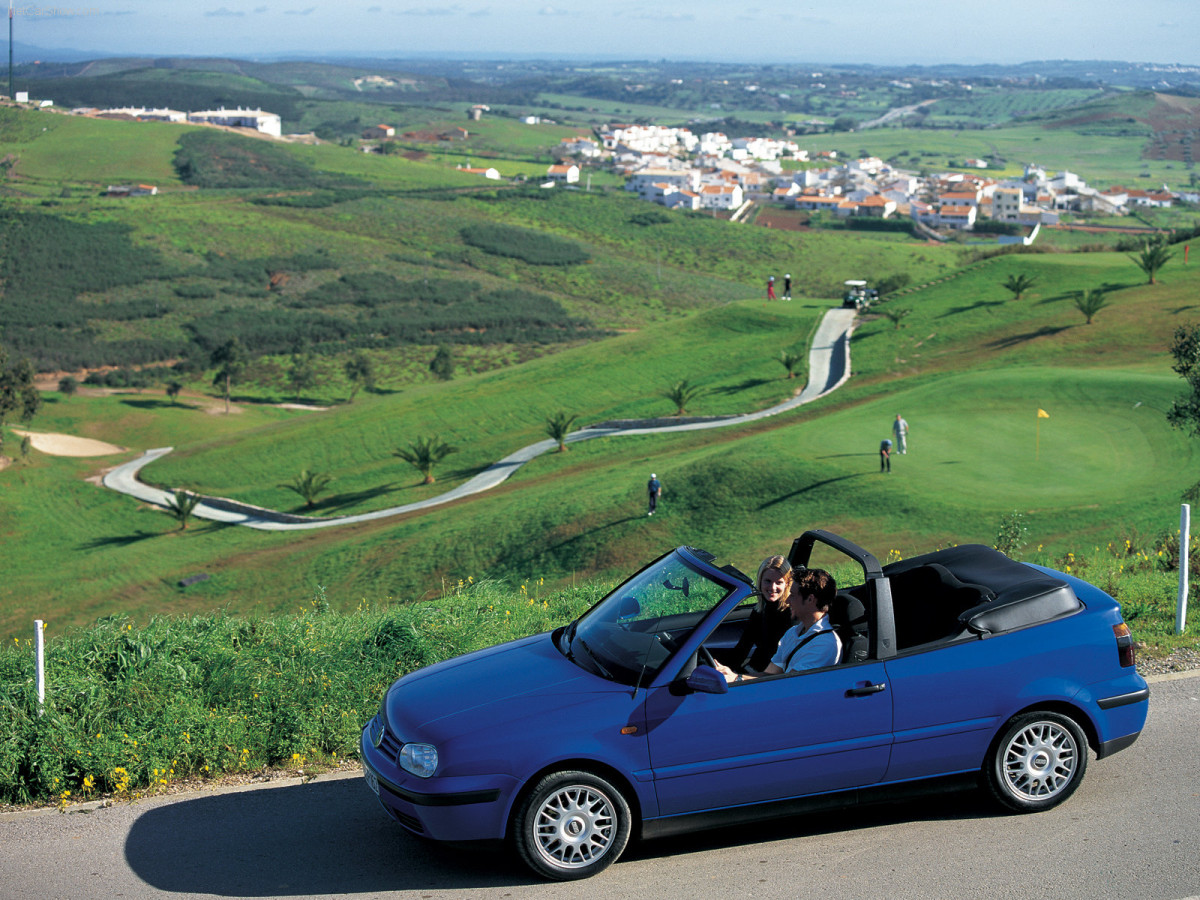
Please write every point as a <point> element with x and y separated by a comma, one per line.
<point>1172,123</point>
<point>200,83</point>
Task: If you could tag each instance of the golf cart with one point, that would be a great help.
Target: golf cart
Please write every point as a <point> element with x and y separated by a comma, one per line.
<point>858,295</point>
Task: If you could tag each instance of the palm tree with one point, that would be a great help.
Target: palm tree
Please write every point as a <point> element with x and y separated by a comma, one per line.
<point>1019,284</point>
<point>309,485</point>
<point>424,453</point>
<point>558,426</point>
<point>895,315</point>
<point>790,361</point>
<point>681,393</point>
<point>1153,256</point>
<point>181,504</point>
<point>1090,302</point>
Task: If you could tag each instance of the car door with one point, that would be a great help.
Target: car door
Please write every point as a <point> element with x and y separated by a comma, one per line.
<point>950,701</point>
<point>769,738</point>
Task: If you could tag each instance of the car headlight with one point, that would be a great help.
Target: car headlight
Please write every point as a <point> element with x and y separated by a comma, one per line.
<point>419,759</point>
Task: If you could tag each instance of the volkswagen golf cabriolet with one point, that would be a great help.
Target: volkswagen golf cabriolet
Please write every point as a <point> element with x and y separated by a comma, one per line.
<point>960,665</point>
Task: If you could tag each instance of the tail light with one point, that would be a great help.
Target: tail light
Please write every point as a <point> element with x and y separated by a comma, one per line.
<point>1124,638</point>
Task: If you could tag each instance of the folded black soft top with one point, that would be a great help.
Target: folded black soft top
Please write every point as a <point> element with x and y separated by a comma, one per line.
<point>1013,595</point>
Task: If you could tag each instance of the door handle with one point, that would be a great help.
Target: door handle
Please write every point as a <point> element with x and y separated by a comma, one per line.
<point>865,690</point>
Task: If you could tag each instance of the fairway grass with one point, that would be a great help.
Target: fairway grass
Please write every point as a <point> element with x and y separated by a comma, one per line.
<point>1100,467</point>
<point>969,371</point>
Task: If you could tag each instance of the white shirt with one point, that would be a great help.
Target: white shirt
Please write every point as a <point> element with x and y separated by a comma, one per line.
<point>816,653</point>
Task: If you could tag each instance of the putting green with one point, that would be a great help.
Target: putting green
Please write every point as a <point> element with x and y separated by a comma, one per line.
<point>978,436</point>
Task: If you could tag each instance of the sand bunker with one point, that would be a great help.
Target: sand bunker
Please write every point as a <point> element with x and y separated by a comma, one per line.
<point>67,445</point>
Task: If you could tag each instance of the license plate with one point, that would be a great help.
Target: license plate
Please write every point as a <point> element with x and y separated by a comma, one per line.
<point>372,779</point>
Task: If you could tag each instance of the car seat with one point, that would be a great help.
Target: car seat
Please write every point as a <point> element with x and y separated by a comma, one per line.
<point>848,617</point>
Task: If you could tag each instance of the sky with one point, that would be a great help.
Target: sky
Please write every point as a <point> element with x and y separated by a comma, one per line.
<point>882,32</point>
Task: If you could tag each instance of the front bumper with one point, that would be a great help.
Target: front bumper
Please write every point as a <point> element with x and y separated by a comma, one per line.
<point>457,808</point>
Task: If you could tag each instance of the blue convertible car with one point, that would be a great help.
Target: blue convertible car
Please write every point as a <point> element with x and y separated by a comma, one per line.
<point>957,665</point>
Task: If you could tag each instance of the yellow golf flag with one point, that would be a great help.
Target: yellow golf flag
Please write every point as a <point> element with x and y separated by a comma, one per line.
<point>1042,414</point>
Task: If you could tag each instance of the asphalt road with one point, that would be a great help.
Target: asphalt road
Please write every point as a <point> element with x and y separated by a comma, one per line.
<point>1132,830</point>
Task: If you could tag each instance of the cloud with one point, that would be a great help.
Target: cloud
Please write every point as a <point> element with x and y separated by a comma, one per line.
<point>223,12</point>
<point>308,11</point>
<point>553,11</point>
<point>431,11</point>
<point>650,14</point>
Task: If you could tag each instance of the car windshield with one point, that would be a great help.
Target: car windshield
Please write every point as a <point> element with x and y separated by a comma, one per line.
<point>630,634</point>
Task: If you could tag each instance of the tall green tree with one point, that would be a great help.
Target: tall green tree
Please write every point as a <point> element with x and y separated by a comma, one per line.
<point>424,453</point>
<point>173,388</point>
<point>1019,284</point>
<point>18,396</point>
<point>442,364</point>
<point>309,485</point>
<point>1153,256</point>
<point>558,426</point>
<point>360,373</point>
<point>1185,411</point>
<point>1185,349</point>
<point>681,393</point>
<point>303,374</point>
<point>230,361</point>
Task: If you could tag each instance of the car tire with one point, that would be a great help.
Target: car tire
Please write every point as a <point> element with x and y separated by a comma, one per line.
<point>1037,762</point>
<point>572,825</point>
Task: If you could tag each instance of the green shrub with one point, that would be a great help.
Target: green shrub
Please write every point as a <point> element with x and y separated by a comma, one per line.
<point>194,291</point>
<point>208,158</point>
<point>438,310</point>
<point>533,247</point>
<point>130,708</point>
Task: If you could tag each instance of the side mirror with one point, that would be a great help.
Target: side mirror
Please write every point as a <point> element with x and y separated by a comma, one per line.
<point>629,609</point>
<point>707,680</point>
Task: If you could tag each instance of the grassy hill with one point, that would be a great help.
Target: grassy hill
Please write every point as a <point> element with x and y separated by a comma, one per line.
<point>331,251</point>
<point>970,381</point>
<point>1132,138</point>
<point>252,237</point>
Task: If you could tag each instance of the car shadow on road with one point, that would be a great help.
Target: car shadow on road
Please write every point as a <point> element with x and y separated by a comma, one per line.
<point>330,838</point>
<point>324,838</point>
<point>952,805</point>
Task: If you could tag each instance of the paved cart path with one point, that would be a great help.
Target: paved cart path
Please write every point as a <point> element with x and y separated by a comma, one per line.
<point>828,367</point>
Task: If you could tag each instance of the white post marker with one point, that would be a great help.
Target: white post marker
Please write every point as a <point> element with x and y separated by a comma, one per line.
<point>1185,527</point>
<point>39,652</point>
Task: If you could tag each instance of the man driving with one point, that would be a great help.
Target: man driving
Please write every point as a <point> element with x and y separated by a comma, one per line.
<point>811,643</point>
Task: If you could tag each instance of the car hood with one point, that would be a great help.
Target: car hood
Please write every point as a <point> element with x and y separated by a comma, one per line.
<point>489,687</point>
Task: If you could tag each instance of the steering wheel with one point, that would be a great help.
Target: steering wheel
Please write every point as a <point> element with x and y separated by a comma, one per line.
<point>703,656</point>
